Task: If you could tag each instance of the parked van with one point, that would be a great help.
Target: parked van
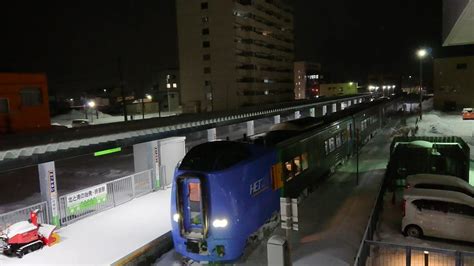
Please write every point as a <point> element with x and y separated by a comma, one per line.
<point>438,213</point>
<point>439,182</point>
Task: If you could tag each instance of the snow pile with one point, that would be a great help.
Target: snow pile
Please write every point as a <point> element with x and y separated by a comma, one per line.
<point>101,118</point>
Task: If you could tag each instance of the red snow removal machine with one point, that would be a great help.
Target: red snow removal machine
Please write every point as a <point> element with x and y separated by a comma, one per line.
<point>26,236</point>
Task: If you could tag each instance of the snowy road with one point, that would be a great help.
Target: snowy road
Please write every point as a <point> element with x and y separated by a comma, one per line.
<point>106,237</point>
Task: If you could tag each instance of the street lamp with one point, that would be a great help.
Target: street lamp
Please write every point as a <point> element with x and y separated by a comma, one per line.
<point>91,105</point>
<point>421,53</point>
<point>149,97</point>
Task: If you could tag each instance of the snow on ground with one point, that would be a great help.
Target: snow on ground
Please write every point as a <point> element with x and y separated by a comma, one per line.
<point>434,123</point>
<point>106,237</point>
<point>334,217</point>
<point>103,118</point>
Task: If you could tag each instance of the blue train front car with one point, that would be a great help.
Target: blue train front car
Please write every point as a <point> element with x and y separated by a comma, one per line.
<point>222,193</point>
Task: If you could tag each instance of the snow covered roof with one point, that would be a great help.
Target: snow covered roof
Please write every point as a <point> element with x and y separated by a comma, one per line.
<point>443,195</point>
<point>20,151</point>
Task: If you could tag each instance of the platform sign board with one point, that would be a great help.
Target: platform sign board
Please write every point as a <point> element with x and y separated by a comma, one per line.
<point>49,189</point>
<point>86,199</point>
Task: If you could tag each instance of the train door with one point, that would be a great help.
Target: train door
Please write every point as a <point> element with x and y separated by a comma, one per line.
<point>192,208</point>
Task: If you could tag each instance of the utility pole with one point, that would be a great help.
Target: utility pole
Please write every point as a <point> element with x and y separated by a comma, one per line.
<point>122,90</point>
<point>357,157</point>
<point>421,88</point>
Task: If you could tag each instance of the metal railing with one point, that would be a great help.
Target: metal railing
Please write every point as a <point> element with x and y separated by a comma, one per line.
<point>80,204</point>
<point>23,214</point>
<point>390,254</point>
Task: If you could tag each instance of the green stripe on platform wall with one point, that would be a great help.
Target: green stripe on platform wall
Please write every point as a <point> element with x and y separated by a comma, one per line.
<point>109,151</point>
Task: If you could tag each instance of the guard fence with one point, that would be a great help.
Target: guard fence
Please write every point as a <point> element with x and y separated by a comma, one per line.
<point>23,214</point>
<point>80,204</point>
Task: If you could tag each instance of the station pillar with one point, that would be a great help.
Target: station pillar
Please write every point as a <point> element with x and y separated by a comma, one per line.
<point>250,128</point>
<point>211,134</point>
<point>297,114</point>
<point>276,119</point>
<point>161,157</point>
<point>312,112</point>
<point>49,189</point>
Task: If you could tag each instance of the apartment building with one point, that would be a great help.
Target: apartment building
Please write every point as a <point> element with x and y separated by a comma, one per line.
<point>234,53</point>
<point>307,77</point>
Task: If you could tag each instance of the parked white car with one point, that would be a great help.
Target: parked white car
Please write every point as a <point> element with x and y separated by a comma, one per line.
<point>439,182</point>
<point>438,213</point>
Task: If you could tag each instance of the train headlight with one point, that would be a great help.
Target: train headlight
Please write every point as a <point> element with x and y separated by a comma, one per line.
<point>176,217</point>
<point>220,223</point>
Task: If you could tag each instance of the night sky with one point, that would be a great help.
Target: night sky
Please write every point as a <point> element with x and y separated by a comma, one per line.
<point>78,43</point>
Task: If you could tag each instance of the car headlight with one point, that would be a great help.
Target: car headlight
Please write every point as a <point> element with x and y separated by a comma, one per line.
<point>220,223</point>
<point>176,217</point>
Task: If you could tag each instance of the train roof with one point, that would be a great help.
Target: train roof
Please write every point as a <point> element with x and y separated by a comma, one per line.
<point>215,156</point>
<point>298,124</point>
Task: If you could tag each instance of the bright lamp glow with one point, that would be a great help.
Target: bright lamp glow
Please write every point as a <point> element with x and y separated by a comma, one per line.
<point>176,217</point>
<point>220,223</point>
<point>351,83</point>
<point>421,53</point>
<point>149,97</point>
<point>91,104</point>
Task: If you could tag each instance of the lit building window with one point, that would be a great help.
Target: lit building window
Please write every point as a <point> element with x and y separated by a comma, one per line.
<point>168,85</point>
<point>175,85</point>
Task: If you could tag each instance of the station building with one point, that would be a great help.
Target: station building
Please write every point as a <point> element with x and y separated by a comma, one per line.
<point>453,83</point>
<point>24,104</point>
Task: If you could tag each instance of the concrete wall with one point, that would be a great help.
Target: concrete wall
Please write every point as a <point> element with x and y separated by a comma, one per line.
<point>454,84</point>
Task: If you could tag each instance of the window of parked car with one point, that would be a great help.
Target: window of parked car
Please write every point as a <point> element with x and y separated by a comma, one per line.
<point>461,209</point>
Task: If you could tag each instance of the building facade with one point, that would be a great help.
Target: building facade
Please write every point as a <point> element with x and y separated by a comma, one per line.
<point>24,104</point>
<point>307,77</point>
<point>234,53</point>
<point>166,90</point>
<point>453,83</point>
<point>338,89</point>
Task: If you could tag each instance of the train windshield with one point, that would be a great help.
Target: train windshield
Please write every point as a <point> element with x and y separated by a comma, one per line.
<point>195,215</point>
<point>191,207</point>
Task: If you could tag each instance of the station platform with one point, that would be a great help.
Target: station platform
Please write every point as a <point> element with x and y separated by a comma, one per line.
<point>106,237</point>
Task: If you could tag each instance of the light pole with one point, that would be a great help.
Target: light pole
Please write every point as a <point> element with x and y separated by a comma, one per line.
<point>421,53</point>
<point>91,105</point>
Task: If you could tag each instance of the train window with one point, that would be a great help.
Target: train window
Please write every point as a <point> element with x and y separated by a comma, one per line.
<point>31,96</point>
<point>195,203</point>
<point>326,147</point>
<point>304,161</point>
<point>295,167</point>
<point>288,171</point>
<point>338,141</point>
<point>4,108</point>
<point>332,145</point>
<point>297,163</point>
